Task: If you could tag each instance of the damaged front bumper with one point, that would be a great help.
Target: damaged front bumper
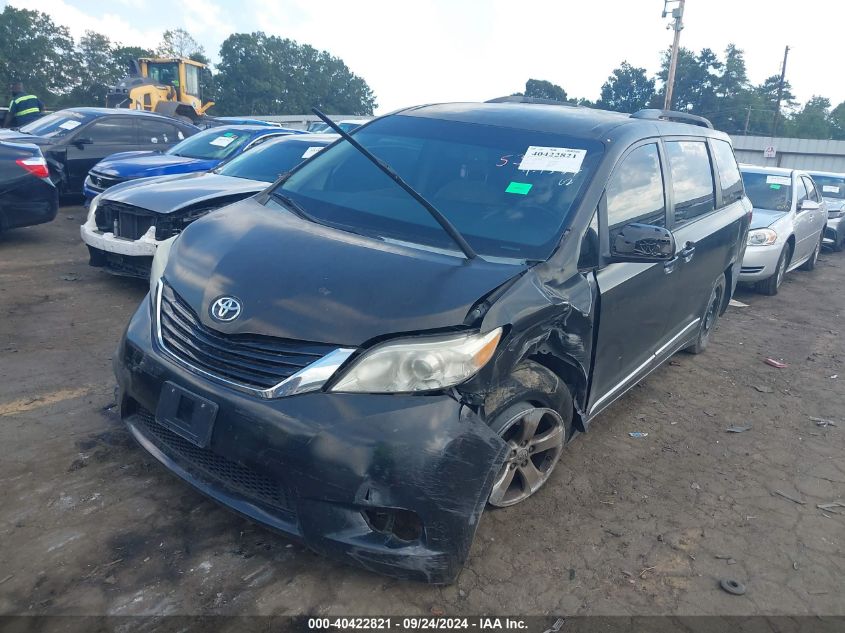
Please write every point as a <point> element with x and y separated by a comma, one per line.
<point>120,255</point>
<point>393,483</point>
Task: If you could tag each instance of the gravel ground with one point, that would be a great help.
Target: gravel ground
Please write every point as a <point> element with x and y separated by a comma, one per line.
<point>89,524</point>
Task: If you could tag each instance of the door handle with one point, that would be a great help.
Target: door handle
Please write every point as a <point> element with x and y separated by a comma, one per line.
<point>688,251</point>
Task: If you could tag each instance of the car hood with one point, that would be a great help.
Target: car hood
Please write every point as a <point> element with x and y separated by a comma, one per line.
<point>168,194</point>
<point>761,218</point>
<point>304,281</point>
<point>145,164</point>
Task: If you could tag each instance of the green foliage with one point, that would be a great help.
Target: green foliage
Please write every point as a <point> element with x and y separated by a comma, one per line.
<point>628,89</point>
<point>261,74</point>
<point>37,52</point>
<point>180,43</point>
<point>542,89</point>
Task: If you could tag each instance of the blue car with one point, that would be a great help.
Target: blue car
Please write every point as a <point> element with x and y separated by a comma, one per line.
<point>198,153</point>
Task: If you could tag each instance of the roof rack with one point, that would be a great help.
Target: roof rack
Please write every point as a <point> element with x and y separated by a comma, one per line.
<point>653,114</point>
<point>523,99</point>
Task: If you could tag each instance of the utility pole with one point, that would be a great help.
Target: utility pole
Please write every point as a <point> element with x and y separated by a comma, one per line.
<point>780,92</point>
<point>677,15</point>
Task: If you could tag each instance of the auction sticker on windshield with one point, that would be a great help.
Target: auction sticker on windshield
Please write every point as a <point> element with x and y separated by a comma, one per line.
<point>311,151</point>
<point>562,159</point>
<point>222,141</point>
<point>830,189</point>
<point>778,180</point>
<point>70,125</point>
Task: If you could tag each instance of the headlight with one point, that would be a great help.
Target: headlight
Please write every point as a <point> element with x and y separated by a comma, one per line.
<point>762,237</point>
<point>92,211</point>
<point>420,365</point>
<point>835,214</point>
<point>160,262</point>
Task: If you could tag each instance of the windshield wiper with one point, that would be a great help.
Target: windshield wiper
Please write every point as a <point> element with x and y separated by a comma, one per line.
<point>294,206</point>
<point>442,220</point>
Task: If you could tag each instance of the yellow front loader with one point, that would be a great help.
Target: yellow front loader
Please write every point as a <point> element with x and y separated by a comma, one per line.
<point>165,85</point>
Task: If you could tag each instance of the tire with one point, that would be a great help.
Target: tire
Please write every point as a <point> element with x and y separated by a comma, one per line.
<point>532,411</point>
<point>771,285</point>
<point>710,317</point>
<point>839,245</point>
<point>810,264</point>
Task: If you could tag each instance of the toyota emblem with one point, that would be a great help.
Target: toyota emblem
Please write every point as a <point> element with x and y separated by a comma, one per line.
<point>225,309</point>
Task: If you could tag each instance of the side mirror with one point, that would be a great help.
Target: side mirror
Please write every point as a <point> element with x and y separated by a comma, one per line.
<point>81,142</point>
<point>642,243</point>
<point>808,205</point>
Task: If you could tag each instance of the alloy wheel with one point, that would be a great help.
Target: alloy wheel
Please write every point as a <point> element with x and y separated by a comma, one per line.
<point>535,438</point>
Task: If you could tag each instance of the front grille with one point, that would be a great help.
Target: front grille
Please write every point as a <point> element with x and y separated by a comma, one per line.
<point>750,269</point>
<point>214,468</point>
<point>102,182</point>
<point>256,361</point>
<point>124,220</point>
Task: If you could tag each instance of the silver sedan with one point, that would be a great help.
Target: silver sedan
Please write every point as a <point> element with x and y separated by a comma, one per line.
<point>786,228</point>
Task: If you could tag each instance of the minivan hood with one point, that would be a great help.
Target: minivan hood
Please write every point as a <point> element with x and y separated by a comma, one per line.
<point>145,164</point>
<point>761,218</point>
<point>168,194</point>
<point>304,281</point>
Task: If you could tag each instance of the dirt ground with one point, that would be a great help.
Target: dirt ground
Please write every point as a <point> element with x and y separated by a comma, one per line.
<point>89,524</point>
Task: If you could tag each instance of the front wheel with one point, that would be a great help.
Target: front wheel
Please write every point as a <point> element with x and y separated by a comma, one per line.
<point>709,318</point>
<point>534,419</point>
<point>838,244</point>
<point>771,285</point>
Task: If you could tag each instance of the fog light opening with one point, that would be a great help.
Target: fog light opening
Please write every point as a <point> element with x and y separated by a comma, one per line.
<point>401,524</point>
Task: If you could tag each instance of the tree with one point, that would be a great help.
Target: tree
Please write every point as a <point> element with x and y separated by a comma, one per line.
<point>628,89</point>
<point>812,121</point>
<point>261,74</point>
<point>180,43</point>
<point>37,52</point>
<point>696,79</point>
<point>837,122</point>
<point>542,89</point>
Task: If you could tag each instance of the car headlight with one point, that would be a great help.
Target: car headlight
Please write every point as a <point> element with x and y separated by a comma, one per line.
<point>92,211</point>
<point>160,262</point>
<point>835,214</point>
<point>762,237</point>
<point>428,364</point>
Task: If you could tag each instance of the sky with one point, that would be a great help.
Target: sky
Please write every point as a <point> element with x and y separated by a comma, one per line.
<point>424,51</point>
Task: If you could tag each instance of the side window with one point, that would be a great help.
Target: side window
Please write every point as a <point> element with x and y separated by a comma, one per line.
<point>589,256</point>
<point>812,192</point>
<point>635,190</point>
<point>692,179</point>
<point>158,132</point>
<point>800,192</point>
<point>114,131</point>
<point>729,176</point>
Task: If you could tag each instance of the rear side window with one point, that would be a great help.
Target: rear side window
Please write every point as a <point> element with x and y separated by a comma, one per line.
<point>692,179</point>
<point>159,132</point>
<point>635,191</point>
<point>729,176</point>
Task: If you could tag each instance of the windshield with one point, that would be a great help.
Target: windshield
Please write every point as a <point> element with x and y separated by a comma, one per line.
<point>831,186</point>
<point>214,144</point>
<point>164,73</point>
<point>269,161</point>
<point>56,124</point>
<point>768,191</point>
<point>509,192</point>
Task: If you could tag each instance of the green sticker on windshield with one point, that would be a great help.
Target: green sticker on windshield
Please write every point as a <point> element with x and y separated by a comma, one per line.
<point>229,134</point>
<point>774,186</point>
<point>521,188</point>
